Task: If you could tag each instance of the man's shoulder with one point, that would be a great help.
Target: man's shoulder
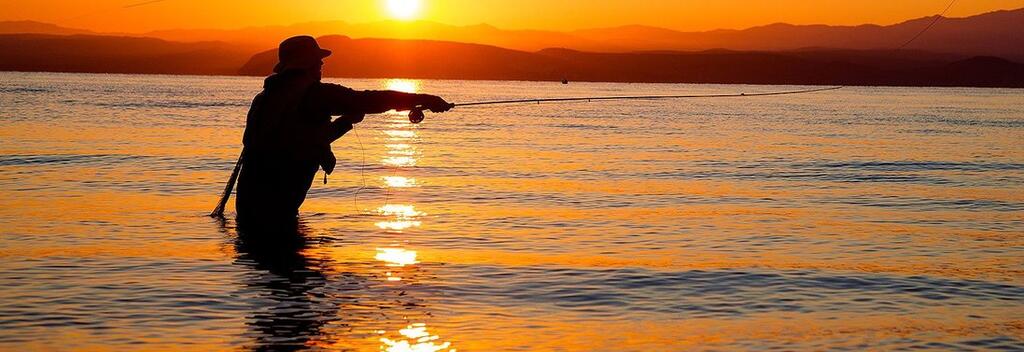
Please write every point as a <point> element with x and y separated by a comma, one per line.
<point>286,81</point>
<point>334,87</point>
<point>330,91</point>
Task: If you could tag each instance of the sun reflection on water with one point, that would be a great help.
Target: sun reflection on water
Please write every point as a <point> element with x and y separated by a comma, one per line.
<point>402,85</point>
<point>397,225</point>
<point>396,256</point>
<point>400,149</point>
<point>399,181</point>
<point>415,338</point>
<point>400,210</point>
<point>399,161</point>
<point>400,134</point>
<point>397,262</point>
<point>398,146</point>
<point>402,152</point>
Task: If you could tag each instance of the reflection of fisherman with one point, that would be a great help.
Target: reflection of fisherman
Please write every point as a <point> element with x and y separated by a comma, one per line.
<point>289,130</point>
<point>285,280</point>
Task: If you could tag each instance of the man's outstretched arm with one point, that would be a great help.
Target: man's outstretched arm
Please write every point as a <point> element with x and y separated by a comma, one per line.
<point>378,101</point>
<point>347,101</point>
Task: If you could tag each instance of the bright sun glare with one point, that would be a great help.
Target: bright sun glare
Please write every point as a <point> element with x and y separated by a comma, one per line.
<point>404,9</point>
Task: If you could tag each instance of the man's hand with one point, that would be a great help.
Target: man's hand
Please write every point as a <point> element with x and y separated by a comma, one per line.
<point>435,103</point>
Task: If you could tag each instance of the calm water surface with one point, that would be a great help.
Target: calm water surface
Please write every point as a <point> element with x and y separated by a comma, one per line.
<point>865,218</point>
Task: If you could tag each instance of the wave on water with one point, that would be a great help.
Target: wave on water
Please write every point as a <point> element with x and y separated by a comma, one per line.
<point>24,90</point>
<point>67,159</point>
<point>173,104</point>
<point>724,293</point>
<point>904,166</point>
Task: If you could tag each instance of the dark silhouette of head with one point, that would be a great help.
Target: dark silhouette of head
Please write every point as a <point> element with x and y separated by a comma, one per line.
<point>301,53</point>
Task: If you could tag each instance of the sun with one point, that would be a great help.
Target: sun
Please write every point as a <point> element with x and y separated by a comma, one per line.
<point>403,9</point>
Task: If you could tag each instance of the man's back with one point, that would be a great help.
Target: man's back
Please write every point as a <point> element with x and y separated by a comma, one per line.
<point>277,170</point>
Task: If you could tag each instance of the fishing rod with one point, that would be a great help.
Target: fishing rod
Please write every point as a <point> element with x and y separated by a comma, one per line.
<point>416,115</point>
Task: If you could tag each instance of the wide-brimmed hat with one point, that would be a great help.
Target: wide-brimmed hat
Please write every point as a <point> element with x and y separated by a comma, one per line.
<point>299,51</point>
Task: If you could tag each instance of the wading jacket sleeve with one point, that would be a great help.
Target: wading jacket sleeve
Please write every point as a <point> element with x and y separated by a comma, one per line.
<point>324,100</point>
<point>340,100</point>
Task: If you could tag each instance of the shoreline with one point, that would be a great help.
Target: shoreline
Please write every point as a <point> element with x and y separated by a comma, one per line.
<point>822,84</point>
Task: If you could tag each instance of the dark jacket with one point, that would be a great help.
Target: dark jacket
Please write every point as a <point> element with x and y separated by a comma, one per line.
<point>288,134</point>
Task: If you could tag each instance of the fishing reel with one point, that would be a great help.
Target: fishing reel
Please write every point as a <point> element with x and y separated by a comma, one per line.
<point>416,115</point>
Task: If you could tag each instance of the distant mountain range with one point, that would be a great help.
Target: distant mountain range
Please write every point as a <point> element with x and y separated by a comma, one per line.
<point>106,54</point>
<point>999,33</point>
<point>449,60</point>
<point>973,51</point>
<point>22,27</point>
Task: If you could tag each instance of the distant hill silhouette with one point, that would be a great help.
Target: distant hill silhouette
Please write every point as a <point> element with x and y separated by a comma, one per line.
<point>34,27</point>
<point>981,50</point>
<point>999,33</point>
<point>371,58</point>
<point>529,40</point>
<point>422,59</point>
<point>108,54</point>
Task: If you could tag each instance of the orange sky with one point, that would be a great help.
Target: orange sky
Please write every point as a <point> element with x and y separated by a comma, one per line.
<point>112,16</point>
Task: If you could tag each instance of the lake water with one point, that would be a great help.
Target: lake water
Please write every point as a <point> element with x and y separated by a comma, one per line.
<point>863,218</point>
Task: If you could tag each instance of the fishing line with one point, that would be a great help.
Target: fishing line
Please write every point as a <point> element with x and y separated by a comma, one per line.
<point>141,4</point>
<point>362,176</point>
<point>110,10</point>
<point>416,116</point>
<point>936,20</point>
<point>387,189</point>
<point>362,171</point>
<point>641,97</point>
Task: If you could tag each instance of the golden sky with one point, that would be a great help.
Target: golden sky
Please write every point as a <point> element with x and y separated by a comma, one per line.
<point>114,16</point>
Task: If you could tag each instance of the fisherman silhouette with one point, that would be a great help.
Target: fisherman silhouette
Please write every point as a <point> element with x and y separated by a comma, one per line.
<point>288,131</point>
